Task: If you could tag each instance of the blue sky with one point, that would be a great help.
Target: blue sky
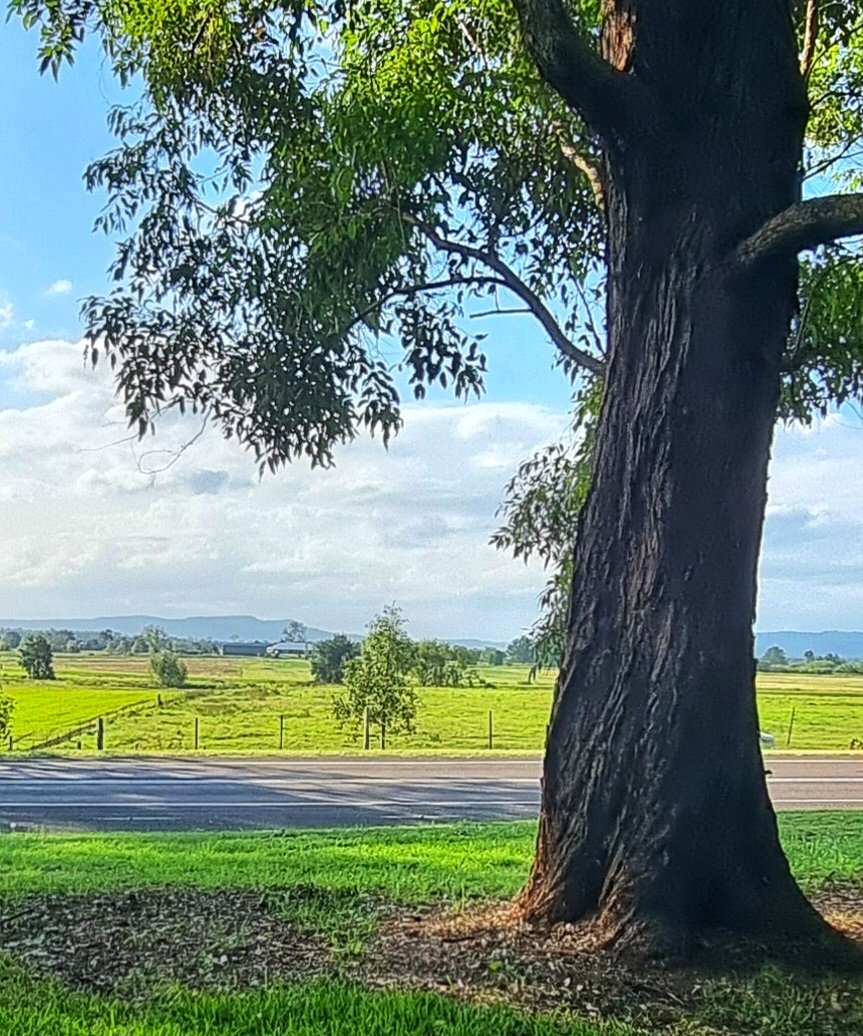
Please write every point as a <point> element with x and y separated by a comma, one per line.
<point>89,529</point>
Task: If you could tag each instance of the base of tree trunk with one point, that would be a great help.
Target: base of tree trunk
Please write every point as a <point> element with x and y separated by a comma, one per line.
<point>763,923</point>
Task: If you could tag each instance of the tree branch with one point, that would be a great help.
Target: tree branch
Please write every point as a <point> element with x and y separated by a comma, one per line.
<point>810,38</point>
<point>606,98</point>
<point>518,287</point>
<point>417,289</point>
<point>805,225</point>
<point>584,164</point>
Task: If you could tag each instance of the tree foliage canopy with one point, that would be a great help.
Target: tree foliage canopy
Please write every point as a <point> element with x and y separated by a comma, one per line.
<point>377,679</point>
<point>7,708</point>
<point>36,656</point>
<point>168,669</point>
<point>329,658</point>
<point>313,198</point>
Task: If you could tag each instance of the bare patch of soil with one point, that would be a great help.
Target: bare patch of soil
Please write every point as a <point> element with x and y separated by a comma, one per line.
<point>117,941</point>
<point>487,953</point>
<point>124,943</point>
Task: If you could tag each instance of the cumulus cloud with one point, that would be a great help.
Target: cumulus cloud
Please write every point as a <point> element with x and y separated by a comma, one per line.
<point>86,530</point>
<point>61,287</point>
<point>812,563</point>
<point>7,311</point>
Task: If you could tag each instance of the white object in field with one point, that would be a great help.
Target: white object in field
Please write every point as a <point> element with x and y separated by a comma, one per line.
<point>767,740</point>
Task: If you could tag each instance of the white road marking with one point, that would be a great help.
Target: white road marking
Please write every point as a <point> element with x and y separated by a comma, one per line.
<point>259,781</point>
<point>306,804</point>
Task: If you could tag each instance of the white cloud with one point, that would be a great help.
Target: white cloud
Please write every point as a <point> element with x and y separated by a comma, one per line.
<point>7,311</point>
<point>86,532</point>
<point>61,287</point>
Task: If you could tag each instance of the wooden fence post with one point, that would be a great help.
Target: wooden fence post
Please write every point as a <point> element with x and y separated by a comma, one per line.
<point>281,733</point>
<point>11,742</point>
<point>196,733</point>
<point>383,733</point>
<point>100,734</point>
<point>490,730</point>
<point>791,726</point>
<point>367,732</point>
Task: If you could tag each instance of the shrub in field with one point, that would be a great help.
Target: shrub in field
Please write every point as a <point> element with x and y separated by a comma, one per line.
<point>7,707</point>
<point>329,657</point>
<point>521,650</point>
<point>438,664</point>
<point>377,679</point>
<point>168,669</point>
<point>37,657</point>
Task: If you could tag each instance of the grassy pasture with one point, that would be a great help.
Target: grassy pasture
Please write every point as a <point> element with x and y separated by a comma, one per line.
<point>239,704</point>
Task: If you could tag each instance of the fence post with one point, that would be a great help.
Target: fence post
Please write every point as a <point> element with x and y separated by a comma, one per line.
<point>100,734</point>
<point>791,726</point>
<point>196,733</point>
<point>281,733</point>
<point>367,732</point>
<point>490,730</point>
<point>383,733</point>
<point>11,742</point>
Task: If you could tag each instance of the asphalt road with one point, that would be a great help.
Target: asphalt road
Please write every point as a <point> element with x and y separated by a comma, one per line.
<point>192,794</point>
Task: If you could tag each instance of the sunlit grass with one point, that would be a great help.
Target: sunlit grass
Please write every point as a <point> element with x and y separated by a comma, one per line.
<point>339,870</point>
<point>261,706</point>
<point>408,864</point>
<point>320,1008</point>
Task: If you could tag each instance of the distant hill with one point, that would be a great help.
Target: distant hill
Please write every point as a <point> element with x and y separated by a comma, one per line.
<point>475,645</point>
<point>795,643</point>
<point>198,627</point>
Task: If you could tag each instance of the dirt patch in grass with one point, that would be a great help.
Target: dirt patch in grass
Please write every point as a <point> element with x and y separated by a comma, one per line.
<point>487,954</point>
<point>125,943</point>
<point>842,904</point>
<point>120,942</point>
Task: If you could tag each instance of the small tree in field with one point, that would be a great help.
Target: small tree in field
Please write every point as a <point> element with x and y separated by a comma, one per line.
<point>168,669</point>
<point>9,640</point>
<point>295,632</point>
<point>37,657</point>
<point>7,707</point>
<point>329,658</point>
<point>377,679</point>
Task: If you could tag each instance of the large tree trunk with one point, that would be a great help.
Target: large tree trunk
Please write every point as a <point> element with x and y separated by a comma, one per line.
<point>655,818</point>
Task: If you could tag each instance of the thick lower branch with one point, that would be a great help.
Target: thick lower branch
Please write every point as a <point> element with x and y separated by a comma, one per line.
<point>802,226</point>
<point>608,100</point>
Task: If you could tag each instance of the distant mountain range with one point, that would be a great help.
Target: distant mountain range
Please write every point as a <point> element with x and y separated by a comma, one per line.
<point>847,644</point>
<point>198,627</point>
<point>795,643</point>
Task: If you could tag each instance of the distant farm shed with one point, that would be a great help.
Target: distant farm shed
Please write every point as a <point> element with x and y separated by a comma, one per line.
<point>289,649</point>
<point>246,649</point>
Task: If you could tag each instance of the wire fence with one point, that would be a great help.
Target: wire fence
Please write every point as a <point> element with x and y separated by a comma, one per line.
<point>175,723</point>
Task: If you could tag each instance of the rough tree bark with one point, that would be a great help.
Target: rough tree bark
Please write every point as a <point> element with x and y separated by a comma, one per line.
<point>655,822</point>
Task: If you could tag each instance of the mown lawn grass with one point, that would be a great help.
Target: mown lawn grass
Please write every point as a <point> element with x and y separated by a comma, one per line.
<point>403,864</point>
<point>320,1008</point>
<point>243,704</point>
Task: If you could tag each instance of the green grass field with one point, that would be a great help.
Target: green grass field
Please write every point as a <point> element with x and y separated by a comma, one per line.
<point>241,705</point>
<point>406,864</point>
<point>319,883</point>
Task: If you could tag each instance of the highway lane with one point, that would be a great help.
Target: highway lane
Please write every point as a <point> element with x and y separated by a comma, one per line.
<point>231,794</point>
